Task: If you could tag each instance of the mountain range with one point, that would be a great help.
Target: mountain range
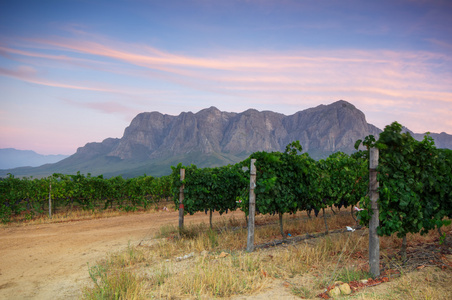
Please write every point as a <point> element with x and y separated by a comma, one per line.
<point>12,158</point>
<point>154,141</point>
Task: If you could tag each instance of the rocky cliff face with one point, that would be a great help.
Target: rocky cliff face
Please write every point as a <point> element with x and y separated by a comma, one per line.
<point>321,130</point>
<point>442,140</point>
<point>154,141</point>
<point>329,128</point>
<point>147,132</point>
<point>91,150</point>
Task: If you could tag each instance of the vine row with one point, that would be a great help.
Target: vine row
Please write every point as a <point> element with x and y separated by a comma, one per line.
<point>29,197</point>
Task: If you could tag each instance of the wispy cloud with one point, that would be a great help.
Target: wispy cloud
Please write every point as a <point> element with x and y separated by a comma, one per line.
<point>108,107</point>
<point>28,74</point>
<point>21,72</point>
<point>9,50</point>
<point>399,78</point>
<point>324,67</point>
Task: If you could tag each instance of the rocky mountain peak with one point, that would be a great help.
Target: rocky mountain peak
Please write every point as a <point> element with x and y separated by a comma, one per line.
<point>154,141</point>
<point>323,129</point>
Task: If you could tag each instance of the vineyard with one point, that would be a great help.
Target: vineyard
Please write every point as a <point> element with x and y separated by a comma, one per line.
<point>415,181</point>
<point>28,197</point>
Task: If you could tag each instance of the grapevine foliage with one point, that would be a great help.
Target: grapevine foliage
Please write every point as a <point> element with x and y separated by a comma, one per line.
<point>214,189</point>
<point>415,181</point>
<point>282,180</point>
<point>285,183</point>
<point>341,180</point>
<point>415,184</point>
<point>30,196</point>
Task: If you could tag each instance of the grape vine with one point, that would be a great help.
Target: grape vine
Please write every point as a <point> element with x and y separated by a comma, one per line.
<point>28,197</point>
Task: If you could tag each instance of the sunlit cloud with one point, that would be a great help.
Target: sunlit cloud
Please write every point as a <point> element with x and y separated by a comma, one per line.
<point>146,56</point>
<point>379,78</point>
<point>324,67</point>
<point>28,74</point>
<point>8,50</point>
<point>21,72</point>
<point>107,107</point>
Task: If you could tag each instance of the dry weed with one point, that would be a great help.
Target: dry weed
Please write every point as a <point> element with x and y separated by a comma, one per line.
<point>189,265</point>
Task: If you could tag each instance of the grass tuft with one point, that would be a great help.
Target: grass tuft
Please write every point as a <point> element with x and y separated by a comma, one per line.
<point>117,284</point>
<point>348,274</point>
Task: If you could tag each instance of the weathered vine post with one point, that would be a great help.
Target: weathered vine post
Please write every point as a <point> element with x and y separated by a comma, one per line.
<point>50,200</point>
<point>374,240</point>
<point>181,200</point>
<point>252,207</point>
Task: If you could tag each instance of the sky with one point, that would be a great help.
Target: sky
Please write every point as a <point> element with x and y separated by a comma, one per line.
<point>74,72</point>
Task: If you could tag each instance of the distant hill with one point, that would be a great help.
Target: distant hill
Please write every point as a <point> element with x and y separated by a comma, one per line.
<point>154,141</point>
<point>442,140</point>
<point>13,158</point>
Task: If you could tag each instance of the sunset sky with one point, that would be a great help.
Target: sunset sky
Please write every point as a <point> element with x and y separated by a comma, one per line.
<point>73,72</point>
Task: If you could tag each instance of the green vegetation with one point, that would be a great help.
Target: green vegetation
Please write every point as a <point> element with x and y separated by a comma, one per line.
<point>209,189</point>
<point>28,197</point>
<point>415,186</point>
<point>286,183</point>
<point>415,181</point>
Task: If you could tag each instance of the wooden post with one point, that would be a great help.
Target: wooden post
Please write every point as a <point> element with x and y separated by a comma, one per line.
<point>374,240</point>
<point>252,207</point>
<point>181,200</point>
<point>210,218</point>
<point>50,200</point>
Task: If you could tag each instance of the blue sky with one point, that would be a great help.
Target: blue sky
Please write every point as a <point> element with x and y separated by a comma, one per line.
<point>73,72</point>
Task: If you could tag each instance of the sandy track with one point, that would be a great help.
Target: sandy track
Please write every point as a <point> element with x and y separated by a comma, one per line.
<point>49,261</point>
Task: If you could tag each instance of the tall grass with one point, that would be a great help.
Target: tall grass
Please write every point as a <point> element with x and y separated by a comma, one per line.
<point>219,267</point>
<point>113,280</point>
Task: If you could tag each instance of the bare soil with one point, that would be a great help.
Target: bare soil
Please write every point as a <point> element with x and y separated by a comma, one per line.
<point>50,261</point>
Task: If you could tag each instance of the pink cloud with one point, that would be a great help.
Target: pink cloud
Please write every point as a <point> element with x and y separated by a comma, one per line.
<point>146,56</point>
<point>41,55</point>
<point>108,107</point>
<point>375,77</point>
<point>341,66</point>
<point>28,74</point>
<point>381,72</point>
<point>21,72</point>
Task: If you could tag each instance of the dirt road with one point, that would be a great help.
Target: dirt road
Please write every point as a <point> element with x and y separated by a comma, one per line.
<point>50,261</point>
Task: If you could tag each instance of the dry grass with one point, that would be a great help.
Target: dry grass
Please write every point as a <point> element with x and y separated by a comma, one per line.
<point>216,266</point>
<point>428,283</point>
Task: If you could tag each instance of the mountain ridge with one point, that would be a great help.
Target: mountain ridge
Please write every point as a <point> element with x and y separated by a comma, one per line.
<point>154,141</point>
